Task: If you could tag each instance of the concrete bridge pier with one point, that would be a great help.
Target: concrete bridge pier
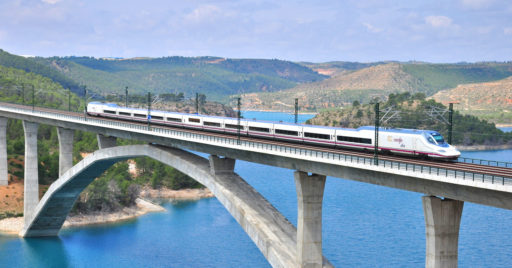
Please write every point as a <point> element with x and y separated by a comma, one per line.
<point>221,165</point>
<point>65,149</point>
<point>442,220</point>
<point>310,192</point>
<point>106,141</point>
<point>31,188</point>
<point>4,176</point>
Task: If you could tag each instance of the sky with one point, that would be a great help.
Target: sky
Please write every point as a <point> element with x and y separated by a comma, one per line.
<point>315,31</point>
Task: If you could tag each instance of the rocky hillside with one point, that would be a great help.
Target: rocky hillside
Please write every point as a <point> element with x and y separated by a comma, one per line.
<point>482,99</point>
<point>363,85</point>
<point>341,89</point>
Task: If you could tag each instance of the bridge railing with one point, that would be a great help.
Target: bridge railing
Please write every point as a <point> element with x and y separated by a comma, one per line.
<point>336,157</point>
<point>485,162</point>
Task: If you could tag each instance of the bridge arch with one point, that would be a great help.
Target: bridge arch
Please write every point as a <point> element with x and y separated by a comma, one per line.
<point>274,235</point>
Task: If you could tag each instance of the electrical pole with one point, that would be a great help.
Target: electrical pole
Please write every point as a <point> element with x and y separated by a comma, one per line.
<point>149,110</point>
<point>85,102</point>
<point>239,114</point>
<point>69,100</point>
<point>23,93</point>
<point>33,98</point>
<point>450,123</point>
<point>126,97</point>
<point>376,141</point>
<point>197,103</point>
<point>296,110</point>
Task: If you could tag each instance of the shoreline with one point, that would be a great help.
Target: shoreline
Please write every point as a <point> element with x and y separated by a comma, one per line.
<point>277,111</point>
<point>483,147</point>
<point>14,225</point>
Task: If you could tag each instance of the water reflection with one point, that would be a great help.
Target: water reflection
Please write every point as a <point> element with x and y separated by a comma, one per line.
<point>44,252</point>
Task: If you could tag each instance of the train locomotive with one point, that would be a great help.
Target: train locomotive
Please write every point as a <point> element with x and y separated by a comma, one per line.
<point>410,142</point>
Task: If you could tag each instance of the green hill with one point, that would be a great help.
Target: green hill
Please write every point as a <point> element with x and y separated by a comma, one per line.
<point>18,86</point>
<point>213,76</point>
<point>31,65</point>
<point>334,67</point>
<point>436,77</point>
<point>113,190</point>
<point>467,129</point>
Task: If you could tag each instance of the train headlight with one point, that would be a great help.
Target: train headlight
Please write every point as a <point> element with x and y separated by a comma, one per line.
<point>442,151</point>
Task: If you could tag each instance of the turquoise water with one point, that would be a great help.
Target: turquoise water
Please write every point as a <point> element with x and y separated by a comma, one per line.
<point>363,226</point>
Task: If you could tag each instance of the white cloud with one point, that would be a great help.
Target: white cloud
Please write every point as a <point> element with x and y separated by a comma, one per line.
<point>507,31</point>
<point>372,28</point>
<point>438,21</point>
<point>51,2</point>
<point>476,4</point>
<point>203,13</point>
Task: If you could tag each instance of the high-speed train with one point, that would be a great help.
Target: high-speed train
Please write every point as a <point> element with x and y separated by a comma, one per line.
<point>412,142</point>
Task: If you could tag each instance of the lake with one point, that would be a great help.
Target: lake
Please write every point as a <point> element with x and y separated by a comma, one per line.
<point>363,226</point>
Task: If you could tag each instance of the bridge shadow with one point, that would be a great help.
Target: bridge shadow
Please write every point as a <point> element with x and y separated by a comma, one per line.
<point>45,252</point>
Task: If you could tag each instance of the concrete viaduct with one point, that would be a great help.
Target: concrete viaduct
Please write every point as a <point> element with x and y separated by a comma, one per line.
<point>281,243</point>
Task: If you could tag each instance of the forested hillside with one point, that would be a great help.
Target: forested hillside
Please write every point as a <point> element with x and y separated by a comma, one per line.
<point>412,113</point>
<point>113,190</point>
<point>30,65</point>
<point>213,76</point>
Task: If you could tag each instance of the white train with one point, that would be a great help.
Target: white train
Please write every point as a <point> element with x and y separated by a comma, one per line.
<point>412,142</point>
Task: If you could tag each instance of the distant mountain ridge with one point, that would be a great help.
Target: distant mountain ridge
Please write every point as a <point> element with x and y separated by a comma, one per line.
<point>30,65</point>
<point>378,81</point>
<point>213,76</point>
<point>271,84</point>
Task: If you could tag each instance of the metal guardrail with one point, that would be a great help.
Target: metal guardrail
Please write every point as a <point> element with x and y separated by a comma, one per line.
<point>485,162</point>
<point>449,173</point>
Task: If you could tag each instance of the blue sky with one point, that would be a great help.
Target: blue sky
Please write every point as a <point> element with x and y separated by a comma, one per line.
<point>318,31</point>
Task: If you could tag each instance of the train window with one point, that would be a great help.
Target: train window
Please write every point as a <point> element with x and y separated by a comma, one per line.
<point>213,124</point>
<point>234,126</point>
<point>123,113</point>
<point>439,139</point>
<point>140,115</point>
<point>286,132</point>
<point>354,139</point>
<point>194,120</point>
<point>173,119</point>
<point>259,129</point>
<point>157,117</point>
<point>109,112</point>
<point>317,136</point>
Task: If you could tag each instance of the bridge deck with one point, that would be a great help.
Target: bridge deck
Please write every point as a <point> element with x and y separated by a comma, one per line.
<point>462,181</point>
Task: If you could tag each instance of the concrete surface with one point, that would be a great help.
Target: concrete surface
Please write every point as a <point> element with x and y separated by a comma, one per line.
<point>273,234</point>
<point>4,176</point>
<point>65,149</point>
<point>495,195</point>
<point>310,192</point>
<point>442,222</point>
<point>221,165</point>
<point>106,141</point>
<point>31,181</point>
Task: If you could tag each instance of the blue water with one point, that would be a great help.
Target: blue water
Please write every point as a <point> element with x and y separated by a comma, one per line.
<point>363,226</point>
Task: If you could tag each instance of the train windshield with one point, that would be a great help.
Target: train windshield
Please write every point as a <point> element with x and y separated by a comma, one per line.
<point>439,139</point>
